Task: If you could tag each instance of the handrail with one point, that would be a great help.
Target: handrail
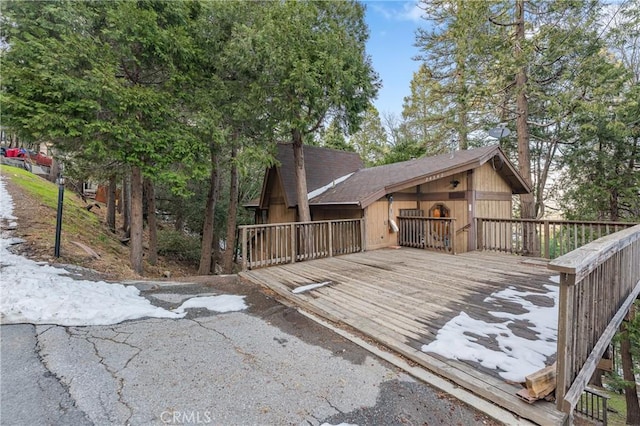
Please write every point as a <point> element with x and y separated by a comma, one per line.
<point>598,284</point>
<point>544,238</point>
<point>434,233</point>
<point>280,243</point>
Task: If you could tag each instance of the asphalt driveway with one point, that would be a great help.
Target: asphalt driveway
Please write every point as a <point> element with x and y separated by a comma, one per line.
<point>266,365</point>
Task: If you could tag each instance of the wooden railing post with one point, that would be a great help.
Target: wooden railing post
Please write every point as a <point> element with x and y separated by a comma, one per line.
<point>363,237</point>
<point>330,238</point>
<point>547,240</point>
<point>479,234</point>
<point>294,248</point>
<point>564,345</point>
<point>244,248</point>
<point>452,235</point>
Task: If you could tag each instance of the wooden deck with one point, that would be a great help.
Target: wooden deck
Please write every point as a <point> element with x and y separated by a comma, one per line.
<point>402,297</point>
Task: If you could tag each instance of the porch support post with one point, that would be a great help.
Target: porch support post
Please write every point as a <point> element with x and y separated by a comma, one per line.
<point>479,234</point>
<point>471,212</point>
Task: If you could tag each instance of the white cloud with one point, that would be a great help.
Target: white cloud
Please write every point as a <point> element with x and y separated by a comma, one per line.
<point>409,11</point>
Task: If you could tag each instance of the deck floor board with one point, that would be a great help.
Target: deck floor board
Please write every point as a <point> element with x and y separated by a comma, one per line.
<point>402,297</point>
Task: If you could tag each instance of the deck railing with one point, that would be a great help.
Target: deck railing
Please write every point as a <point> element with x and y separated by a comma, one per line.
<point>593,405</point>
<point>542,238</point>
<point>433,233</point>
<point>598,284</point>
<point>279,243</point>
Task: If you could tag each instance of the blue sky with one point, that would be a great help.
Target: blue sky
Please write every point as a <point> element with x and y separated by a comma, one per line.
<point>392,26</point>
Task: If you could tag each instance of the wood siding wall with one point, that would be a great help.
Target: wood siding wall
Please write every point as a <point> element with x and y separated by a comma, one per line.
<point>493,193</point>
<point>278,212</point>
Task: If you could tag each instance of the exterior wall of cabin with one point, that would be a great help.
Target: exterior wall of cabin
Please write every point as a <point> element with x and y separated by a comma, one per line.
<point>278,211</point>
<point>335,213</point>
<point>377,225</point>
<point>452,192</point>
<point>481,192</point>
<point>493,193</point>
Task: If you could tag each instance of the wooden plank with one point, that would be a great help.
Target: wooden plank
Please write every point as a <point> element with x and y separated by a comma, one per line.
<point>542,382</point>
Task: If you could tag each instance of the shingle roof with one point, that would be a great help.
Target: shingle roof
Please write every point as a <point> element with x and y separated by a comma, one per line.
<point>322,166</point>
<point>367,185</point>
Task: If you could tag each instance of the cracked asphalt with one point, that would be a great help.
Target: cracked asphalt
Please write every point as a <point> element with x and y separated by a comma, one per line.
<point>267,365</point>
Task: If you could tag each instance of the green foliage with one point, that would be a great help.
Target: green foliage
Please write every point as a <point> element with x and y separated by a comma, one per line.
<point>179,246</point>
<point>334,137</point>
<point>615,380</point>
<point>103,88</point>
<point>371,140</point>
<point>448,93</point>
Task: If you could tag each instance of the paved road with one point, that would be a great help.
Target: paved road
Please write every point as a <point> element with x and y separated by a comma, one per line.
<point>265,365</point>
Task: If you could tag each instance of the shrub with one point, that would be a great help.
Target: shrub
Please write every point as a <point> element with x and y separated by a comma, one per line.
<point>178,246</point>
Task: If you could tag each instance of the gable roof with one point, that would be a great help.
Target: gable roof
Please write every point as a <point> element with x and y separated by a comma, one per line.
<point>368,185</point>
<point>322,167</point>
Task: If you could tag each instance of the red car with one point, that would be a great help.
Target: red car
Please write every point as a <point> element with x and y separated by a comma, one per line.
<point>40,159</point>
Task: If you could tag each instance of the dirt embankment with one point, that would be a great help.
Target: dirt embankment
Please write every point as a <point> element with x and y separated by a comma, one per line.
<point>85,238</point>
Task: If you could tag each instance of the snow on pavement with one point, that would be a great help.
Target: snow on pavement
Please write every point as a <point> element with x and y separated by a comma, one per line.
<point>517,356</point>
<point>222,303</point>
<point>34,293</point>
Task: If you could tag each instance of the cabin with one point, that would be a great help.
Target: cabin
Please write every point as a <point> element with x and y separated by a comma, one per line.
<point>405,299</point>
<point>452,189</point>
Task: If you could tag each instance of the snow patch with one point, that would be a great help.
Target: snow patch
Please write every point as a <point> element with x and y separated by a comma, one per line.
<point>517,357</point>
<point>31,292</point>
<point>222,303</point>
<point>309,287</point>
<point>328,186</point>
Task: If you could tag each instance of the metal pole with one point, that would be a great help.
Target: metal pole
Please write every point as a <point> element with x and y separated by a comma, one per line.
<point>59,215</point>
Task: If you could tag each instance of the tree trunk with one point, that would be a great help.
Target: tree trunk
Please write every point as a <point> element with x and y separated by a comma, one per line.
<point>54,170</point>
<point>227,263</point>
<point>209,214</point>
<point>522,105</point>
<point>135,244</point>
<point>304,214</point>
<point>631,390</point>
<point>527,201</point>
<point>179,221</point>
<point>111,203</point>
<point>216,256</point>
<point>152,257</point>
<point>126,205</point>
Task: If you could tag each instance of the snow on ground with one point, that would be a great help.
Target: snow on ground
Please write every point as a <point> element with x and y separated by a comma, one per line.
<point>41,294</point>
<point>309,287</point>
<point>517,356</point>
<point>222,303</point>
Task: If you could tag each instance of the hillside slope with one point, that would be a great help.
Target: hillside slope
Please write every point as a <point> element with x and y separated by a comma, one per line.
<point>35,205</point>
